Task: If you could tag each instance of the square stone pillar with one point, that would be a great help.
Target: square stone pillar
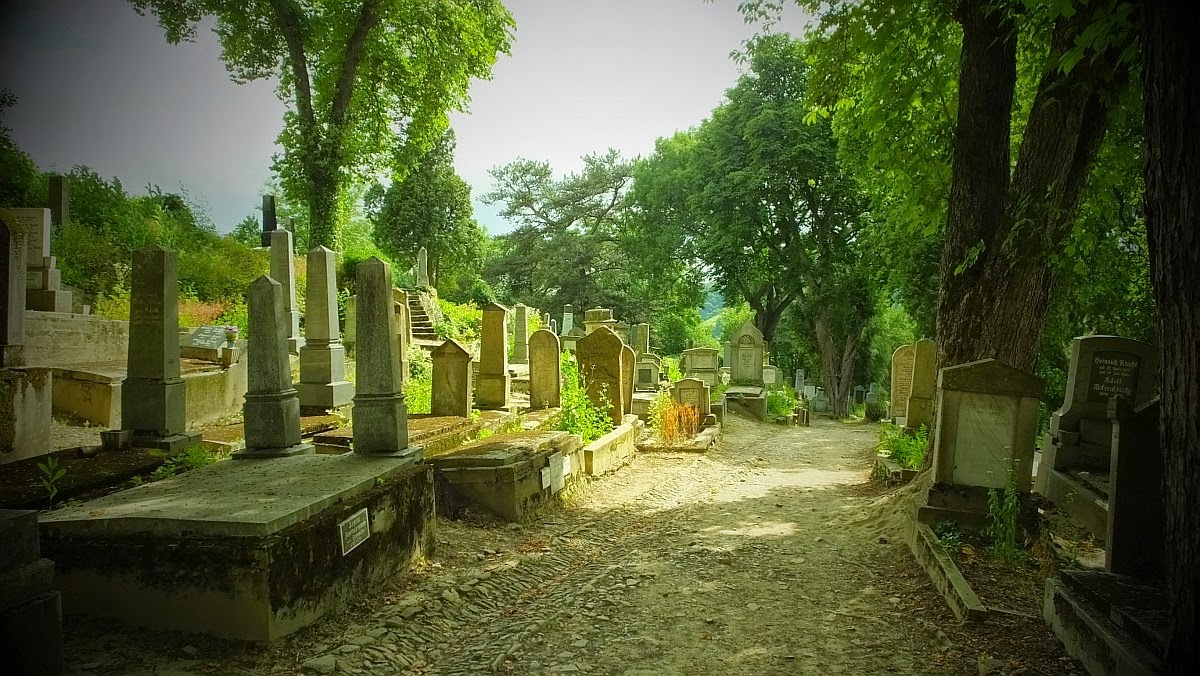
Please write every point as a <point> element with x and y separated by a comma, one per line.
<point>323,385</point>
<point>521,334</point>
<point>422,268</point>
<point>60,201</point>
<point>568,319</point>
<point>153,395</point>
<point>495,384</point>
<point>283,270</point>
<point>269,223</point>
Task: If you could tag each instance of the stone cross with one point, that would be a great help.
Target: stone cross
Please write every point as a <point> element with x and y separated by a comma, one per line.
<point>520,334</point>
<point>599,355</point>
<point>269,224</point>
<point>323,385</point>
<point>271,412</point>
<point>60,201</point>
<point>451,390</point>
<point>12,297</point>
<point>283,270</point>
<point>422,267</point>
<point>153,395</point>
<point>545,370</point>
<point>492,390</point>
<point>379,416</point>
<point>568,319</point>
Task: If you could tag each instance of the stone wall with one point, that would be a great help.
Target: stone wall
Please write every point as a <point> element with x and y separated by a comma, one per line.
<point>56,338</point>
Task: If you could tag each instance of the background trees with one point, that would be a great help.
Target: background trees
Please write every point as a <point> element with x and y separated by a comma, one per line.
<point>370,82</point>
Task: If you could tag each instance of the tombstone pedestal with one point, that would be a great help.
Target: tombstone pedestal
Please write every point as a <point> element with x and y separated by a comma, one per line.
<point>492,391</point>
<point>158,405</point>
<point>273,419</point>
<point>322,383</point>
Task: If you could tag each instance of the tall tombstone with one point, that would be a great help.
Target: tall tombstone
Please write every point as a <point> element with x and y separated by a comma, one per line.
<point>554,326</point>
<point>12,297</point>
<point>701,362</point>
<point>269,223</point>
<point>323,383</point>
<point>351,333</point>
<point>271,412</point>
<point>283,270</point>
<point>403,330</point>
<point>422,268</point>
<point>153,395</point>
<point>568,319</point>
<point>642,341</point>
<point>495,384</point>
<point>43,279</point>
<point>986,425</point>
<point>60,201</point>
<point>727,355</point>
<point>628,365</point>
<point>747,346</point>
<point>924,385</point>
<point>902,373</point>
<point>520,334</point>
<point>545,370</point>
<point>545,320</point>
<point>693,392</point>
<point>379,416</point>
<point>451,390</point>
<point>599,355</point>
<point>798,381</point>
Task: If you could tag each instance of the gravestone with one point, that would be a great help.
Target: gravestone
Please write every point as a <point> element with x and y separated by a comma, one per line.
<point>12,296</point>
<point>810,391</point>
<point>452,393</point>
<point>820,401</point>
<point>554,326</point>
<point>60,201</point>
<point>1135,540</point>
<point>283,270</point>
<point>422,268</point>
<point>379,416</point>
<point>770,374</point>
<point>43,279</point>
<point>624,331</point>
<point>599,317</point>
<point>153,395</point>
<point>271,412</point>
<point>649,373</point>
<point>599,356</point>
<point>860,394</point>
<point>205,343</point>
<point>323,385</point>
<point>31,636</point>
<point>545,370</point>
<point>986,427</point>
<point>693,392</point>
<point>545,320</point>
<point>350,335</point>
<point>494,386</point>
<point>919,410</point>
<point>568,319</point>
<point>872,395</point>
<point>700,362</point>
<point>902,373</point>
<point>747,346</point>
<point>520,334</point>
<point>641,339</point>
<point>628,366</point>
<point>798,380</point>
<point>269,223</point>
<point>403,330</point>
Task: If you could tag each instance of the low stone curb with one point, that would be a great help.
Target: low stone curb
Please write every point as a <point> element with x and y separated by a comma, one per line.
<point>703,441</point>
<point>943,572</point>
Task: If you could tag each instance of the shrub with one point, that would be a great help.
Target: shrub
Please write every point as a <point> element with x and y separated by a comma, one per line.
<point>462,322</point>
<point>781,402</point>
<point>907,451</point>
<point>194,312</point>
<point>418,395</point>
<point>874,411</point>
<point>670,367</point>
<point>192,457</point>
<point>236,314</point>
<point>579,415</point>
<point>677,422</point>
<point>420,364</point>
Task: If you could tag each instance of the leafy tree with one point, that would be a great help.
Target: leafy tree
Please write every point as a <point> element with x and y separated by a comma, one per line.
<point>431,208</point>
<point>248,232</point>
<point>370,81</point>
<point>19,176</point>
<point>760,198</point>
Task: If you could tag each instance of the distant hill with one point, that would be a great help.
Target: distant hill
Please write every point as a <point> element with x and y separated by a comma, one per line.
<point>713,303</point>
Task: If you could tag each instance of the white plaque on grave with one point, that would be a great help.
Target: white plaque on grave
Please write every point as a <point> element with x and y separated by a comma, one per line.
<point>355,530</point>
<point>984,439</point>
<point>554,474</point>
<point>208,337</point>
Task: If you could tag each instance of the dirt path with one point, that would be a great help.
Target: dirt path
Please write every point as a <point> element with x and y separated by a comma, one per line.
<point>768,555</point>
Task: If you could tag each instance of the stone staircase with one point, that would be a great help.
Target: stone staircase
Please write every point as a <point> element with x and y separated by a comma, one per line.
<point>422,325</point>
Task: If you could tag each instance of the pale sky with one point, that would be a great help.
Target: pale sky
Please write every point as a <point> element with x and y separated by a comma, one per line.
<point>98,85</point>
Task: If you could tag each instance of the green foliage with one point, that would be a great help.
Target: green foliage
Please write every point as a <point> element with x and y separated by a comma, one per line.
<point>418,394</point>
<point>237,313</point>
<point>20,182</point>
<point>51,475</point>
<point>670,368</point>
<point>192,457</point>
<point>874,411</point>
<point>579,415</point>
<point>461,321</point>
<point>659,408</point>
<point>1004,508</point>
<point>731,318</point>
<point>420,363</point>
<point>950,537</point>
<point>781,401</point>
<point>907,451</point>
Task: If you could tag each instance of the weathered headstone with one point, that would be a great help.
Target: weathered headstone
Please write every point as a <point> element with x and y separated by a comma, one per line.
<point>60,201</point>
<point>545,370</point>
<point>422,268</point>
<point>695,393</point>
<point>810,391</point>
<point>641,339</point>
<point>568,319</point>
<point>727,356</point>
<point>649,373</point>
<point>554,326</point>
<point>770,374</point>
<point>269,223</point>
<point>283,270</point>
<point>351,333</point>
<point>872,395</point>
<point>323,383</point>
<point>271,412</point>
<point>986,425</point>
<point>628,366</point>
<point>494,386</point>
<point>747,347</point>
<point>1134,543</point>
<point>380,417</point>
<point>902,373</point>
<point>153,395</point>
<point>924,385</point>
<point>599,317</point>
<point>545,320</point>
<point>43,279</point>
<point>700,362</point>
<point>798,380</point>
<point>860,394</point>
<point>520,334</point>
<point>451,394</point>
<point>403,330</point>
<point>12,297</point>
<point>599,355</point>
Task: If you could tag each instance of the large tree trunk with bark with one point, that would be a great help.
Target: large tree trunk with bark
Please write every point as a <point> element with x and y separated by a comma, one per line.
<point>322,207</point>
<point>1170,70</point>
<point>1002,232</point>
<point>837,363</point>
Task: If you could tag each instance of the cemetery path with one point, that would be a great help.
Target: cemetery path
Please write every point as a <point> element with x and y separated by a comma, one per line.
<point>770,554</point>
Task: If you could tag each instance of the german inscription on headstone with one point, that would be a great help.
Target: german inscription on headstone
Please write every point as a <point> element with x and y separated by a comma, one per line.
<point>354,530</point>
<point>1114,374</point>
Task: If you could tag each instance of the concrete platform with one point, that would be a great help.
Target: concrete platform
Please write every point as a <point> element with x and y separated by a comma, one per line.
<point>1083,501</point>
<point>242,550</point>
<point>614,449</point>
<point>748,400</point>
<point>704,440</point>
<point>436,434</point>
<point>1114,625</point>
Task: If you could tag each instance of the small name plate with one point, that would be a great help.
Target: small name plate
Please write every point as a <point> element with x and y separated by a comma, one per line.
<point>355,530</point>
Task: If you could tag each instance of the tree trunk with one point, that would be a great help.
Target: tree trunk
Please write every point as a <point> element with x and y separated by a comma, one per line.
<point>322,207</point>
<point>1172,110</point>
<point>837,365</point>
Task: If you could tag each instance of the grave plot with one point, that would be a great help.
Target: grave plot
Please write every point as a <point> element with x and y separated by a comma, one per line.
<point>682,420</point>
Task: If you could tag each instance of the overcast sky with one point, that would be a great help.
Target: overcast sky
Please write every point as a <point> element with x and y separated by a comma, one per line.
<point>98,85</point>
